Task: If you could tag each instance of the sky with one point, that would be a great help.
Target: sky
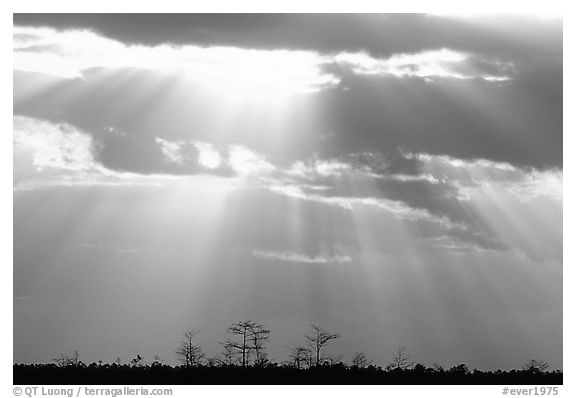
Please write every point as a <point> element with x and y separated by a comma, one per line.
<point>393,178</point>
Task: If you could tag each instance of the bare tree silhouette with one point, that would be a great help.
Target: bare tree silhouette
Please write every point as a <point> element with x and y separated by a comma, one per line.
<point>299,356</point>
<point>401,360</point>
<point>244,347</point>
<point>319,338</point>
<point>361,360</point>
<point>228,352</point>
<point>259,336</point>
<point>189,353</point>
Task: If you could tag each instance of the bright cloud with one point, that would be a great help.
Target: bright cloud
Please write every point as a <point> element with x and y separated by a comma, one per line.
<point>198,152</point>
<point>54,146</point>
<point>246,162</point>
<point>443,63</point>
<point>48,154</point>
<point>397,208</point>
<point>294,257</point>
<point>319,168</point>
<point>481,174</point>
<point>69,53</point>
<point>331,168</point>
<point>171,150</point>
<point>241,160</point>
<point>208,156</point>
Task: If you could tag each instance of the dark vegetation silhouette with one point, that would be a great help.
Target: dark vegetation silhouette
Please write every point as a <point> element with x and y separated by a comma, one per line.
<point>244,360</point>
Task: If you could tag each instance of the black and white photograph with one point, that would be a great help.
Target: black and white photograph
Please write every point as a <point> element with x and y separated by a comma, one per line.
<point>287,199</point>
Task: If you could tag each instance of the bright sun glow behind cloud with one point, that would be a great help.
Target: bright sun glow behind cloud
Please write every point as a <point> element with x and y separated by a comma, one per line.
<point>69,53</point>
<point>208,156</point>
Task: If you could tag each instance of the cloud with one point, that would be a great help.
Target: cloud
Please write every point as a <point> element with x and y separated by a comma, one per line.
<point>233,160</point>
<point>49,154</point>
<point>380,35</point>
<point>414,187</point>
<point>418,151</point>
<point>442,63</point>
<point>482,174</point>
<point>159,156</point>
<point>246,162</point>
<point>199,153</point>
<point>397,208</point>
<point>517,122</point>
<point>318,168</point>
<point>172,150</point>
<point>417,87</point>
<point>54,146</point>
<point>70,53</point>
<point>115,156</point>
<point>208,156</point>
<point>294,257</point>
<point>456,246</point>
<point>440,197</point>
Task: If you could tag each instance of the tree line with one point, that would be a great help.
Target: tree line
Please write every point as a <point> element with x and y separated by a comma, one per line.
<point>244,360</point>
<point>246,346</point>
